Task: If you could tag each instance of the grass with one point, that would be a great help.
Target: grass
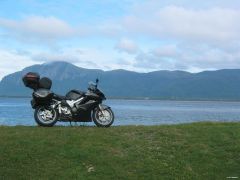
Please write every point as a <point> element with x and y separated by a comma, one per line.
<point>187,151</point>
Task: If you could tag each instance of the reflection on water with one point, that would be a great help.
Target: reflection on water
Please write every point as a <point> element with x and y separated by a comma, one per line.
<point>17,111</point>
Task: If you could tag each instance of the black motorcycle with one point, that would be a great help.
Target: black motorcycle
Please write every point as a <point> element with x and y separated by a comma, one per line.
<point>76,106</point>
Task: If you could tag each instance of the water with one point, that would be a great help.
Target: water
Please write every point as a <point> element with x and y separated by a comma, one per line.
<point>17,111</point>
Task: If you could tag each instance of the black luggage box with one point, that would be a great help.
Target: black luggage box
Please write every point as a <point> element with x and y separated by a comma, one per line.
<point>31,80</point>
<point>43,96</point>
<point>45,83</point>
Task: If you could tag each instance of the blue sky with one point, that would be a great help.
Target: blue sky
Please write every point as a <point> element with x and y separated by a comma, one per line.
<point>143,35</point>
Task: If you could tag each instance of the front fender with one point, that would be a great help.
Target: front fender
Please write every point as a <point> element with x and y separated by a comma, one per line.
<point>104,107</point>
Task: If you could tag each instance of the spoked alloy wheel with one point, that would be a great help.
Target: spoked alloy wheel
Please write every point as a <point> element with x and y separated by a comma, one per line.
<point>103,118</point>
<point>46,116</point>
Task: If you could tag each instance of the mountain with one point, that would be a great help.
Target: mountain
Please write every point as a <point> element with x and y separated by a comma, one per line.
<point>207,85</point>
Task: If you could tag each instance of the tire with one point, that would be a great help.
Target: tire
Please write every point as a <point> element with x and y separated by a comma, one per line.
<point>45,122</point>
<point>103,123</point>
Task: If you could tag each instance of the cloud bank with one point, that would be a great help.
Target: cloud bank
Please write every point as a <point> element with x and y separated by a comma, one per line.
<point>139,35</point>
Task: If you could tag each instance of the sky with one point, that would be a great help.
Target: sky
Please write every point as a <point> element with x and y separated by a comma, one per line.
<point>137,35</point>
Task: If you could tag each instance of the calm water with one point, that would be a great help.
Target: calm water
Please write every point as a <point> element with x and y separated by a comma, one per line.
<point>17,111</point>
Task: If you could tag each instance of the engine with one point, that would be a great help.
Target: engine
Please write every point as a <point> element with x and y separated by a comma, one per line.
<point>66,111</point>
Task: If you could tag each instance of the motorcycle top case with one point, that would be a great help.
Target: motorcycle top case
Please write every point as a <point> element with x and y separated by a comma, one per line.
<point>31,80</point>
<point>43,95</point>
<point>45,83</point>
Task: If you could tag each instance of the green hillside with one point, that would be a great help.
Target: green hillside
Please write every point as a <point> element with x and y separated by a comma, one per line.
<point>176,85</point>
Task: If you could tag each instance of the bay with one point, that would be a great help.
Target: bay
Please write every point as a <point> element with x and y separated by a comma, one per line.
<point>17,111</point>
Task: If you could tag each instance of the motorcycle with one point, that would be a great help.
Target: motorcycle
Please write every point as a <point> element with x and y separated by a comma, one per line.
<point>75,106</point>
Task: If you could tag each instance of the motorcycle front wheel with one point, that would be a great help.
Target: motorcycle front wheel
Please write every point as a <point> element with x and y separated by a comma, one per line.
<point>103,118</point>
<point>46,116</point>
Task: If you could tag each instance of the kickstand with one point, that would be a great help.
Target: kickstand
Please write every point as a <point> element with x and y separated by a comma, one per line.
<point>70,123</point>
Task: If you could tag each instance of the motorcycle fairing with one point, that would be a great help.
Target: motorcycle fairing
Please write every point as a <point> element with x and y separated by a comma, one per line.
<point>74,94</point>
<point>84,111</point>
<point>90,105</point>
<point>93,96</point>
<point>83,116</point>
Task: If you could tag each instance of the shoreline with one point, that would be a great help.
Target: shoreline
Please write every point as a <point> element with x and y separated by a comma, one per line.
<point>81,124</point>
<point>143,99</point>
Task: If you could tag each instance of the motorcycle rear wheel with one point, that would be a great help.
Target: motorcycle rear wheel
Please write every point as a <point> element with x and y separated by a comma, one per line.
<point>46,116</point>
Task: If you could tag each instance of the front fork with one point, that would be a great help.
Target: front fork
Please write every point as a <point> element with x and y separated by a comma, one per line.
<point>103,107</point>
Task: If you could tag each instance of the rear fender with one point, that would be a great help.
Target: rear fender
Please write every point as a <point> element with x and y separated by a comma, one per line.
<point>34,104</point>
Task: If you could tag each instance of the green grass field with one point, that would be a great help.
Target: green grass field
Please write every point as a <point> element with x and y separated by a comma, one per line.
<point>188,151</point>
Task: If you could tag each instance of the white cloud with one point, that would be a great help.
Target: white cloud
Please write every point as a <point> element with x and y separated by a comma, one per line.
<point>218,24</point>
<point>197,39</point>
<point>127,45</point>
<point>151,61</point>
<point>167,50</point>
<point>170,35</point>
<point>12,61</point>
<point>41,28</point>
<point>193,57</point>
<point>82,57</point>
